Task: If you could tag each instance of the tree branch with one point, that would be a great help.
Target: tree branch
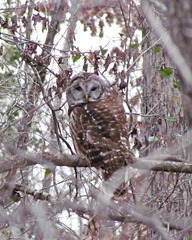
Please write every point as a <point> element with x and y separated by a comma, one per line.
<point>130,215</point>
<point>19,158</point>
<point>164,164</point>
<point>108,210</point>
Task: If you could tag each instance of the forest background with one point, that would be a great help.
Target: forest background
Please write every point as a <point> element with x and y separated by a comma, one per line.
<point>143,47</point>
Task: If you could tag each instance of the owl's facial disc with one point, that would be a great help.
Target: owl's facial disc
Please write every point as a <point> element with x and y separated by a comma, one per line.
<point>85,90</point>
<point>94,90</point>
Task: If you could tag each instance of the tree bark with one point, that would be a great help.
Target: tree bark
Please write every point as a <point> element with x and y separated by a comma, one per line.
<point>175,34</point>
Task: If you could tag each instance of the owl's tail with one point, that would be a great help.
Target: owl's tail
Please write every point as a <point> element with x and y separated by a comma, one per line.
<point>115,181</point>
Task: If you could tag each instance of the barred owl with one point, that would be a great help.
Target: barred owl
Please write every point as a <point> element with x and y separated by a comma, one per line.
<point>98,123</point>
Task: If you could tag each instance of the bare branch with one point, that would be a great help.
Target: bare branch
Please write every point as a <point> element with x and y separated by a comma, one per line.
<point>164,164</point>
<point>21,158</point>
<point>130,215</point>
<point>74,10</point>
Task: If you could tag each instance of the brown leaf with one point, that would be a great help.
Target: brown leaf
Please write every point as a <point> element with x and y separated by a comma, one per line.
<point>1,50</point>
<point>107,62</point>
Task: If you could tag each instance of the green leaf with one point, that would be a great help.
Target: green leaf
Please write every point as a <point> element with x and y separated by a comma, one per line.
<point>104,51</point>
<point>156,49</point>
<point>15,57</point>
<point>177,84</point>
<point>76,57</point>
<point>132,153</point>
<point>135,45</point>
<point>175,134</point>
<point>66,117</point>
<point>166,72</point>
<point>171,119</point>
<point>47,172</point>
<point>153,139</point>
<point>16,113</point>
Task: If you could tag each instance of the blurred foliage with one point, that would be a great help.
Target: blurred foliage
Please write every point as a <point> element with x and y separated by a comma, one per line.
<point>41,46</point>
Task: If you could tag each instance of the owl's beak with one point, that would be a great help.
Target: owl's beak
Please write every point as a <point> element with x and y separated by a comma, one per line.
<point>86,97</point>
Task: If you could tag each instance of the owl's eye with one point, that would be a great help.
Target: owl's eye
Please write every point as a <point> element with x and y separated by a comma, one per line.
<point>93,89</point>
<point>79,89</point>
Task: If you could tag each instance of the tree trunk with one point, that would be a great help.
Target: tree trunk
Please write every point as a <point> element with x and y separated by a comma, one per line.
<point>162,104</point>
<point>175,34</point>
<point>166,121</point>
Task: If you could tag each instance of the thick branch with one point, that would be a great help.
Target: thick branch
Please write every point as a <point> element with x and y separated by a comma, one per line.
<point>21,158</point>
<point>164,164</point>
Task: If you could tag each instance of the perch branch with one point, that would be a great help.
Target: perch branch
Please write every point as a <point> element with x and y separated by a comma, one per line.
<point>19,158</point>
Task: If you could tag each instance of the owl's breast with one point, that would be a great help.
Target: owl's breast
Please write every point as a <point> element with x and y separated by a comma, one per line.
<point>100,133</point>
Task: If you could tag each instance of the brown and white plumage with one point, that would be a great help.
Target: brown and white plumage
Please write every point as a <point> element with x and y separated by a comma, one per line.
<point>98,123</point>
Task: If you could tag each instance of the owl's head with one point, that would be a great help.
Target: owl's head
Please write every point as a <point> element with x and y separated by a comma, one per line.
<point>85,87</point>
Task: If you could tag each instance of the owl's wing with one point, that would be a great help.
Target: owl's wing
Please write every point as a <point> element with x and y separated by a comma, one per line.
<point>107,130</point>
<point>89,137</point>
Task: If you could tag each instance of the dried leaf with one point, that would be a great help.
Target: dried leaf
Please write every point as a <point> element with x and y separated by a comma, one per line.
<point>175,99</point>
